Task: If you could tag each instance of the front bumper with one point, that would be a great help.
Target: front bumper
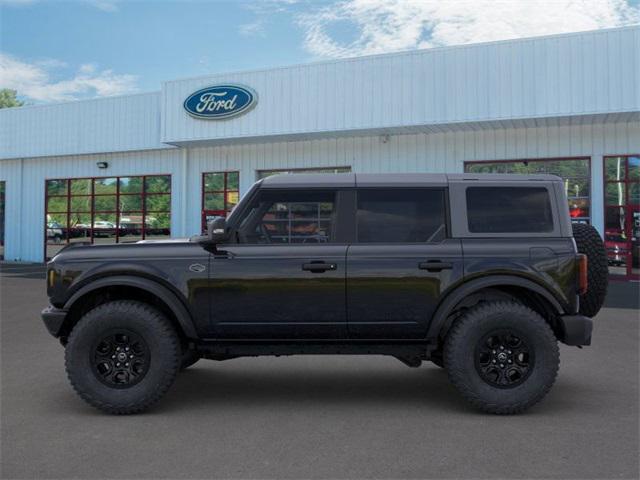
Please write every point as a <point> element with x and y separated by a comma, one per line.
<point>576,330</point>
<point>53,319</point>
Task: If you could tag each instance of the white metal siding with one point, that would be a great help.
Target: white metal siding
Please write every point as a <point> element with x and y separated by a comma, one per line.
<point>112,124</point>
<point>435,152</point>
<point>558,76</point>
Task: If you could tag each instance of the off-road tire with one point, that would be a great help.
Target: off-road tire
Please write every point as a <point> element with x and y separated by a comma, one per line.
<point>189,357</point>
<point>589,242</point>
<point>460,356</point>
<point>162,344</point>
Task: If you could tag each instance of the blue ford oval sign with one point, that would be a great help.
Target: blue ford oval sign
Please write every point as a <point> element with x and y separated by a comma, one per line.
<point>220,101</point>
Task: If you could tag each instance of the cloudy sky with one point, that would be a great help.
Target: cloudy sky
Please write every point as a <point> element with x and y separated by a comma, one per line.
<point>64,50</point>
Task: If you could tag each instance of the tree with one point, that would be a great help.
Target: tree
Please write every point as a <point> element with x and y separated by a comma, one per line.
<point>8,98</point>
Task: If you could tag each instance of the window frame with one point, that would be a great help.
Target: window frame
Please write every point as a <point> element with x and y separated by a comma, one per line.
<point>447,216</point>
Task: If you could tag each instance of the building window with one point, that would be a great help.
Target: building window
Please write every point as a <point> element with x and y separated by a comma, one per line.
<point>575,172</point>
<point>268,173</point>
<point>2,187</point>
<point>622,214</point>
<point>220,193</point>
<point>106,210</point>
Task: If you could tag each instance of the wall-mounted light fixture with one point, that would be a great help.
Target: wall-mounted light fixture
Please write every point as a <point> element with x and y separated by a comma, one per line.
<point>102,164</point>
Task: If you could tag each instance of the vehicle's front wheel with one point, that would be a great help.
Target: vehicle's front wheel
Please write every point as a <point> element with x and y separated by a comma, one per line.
<point>502,356</point>
<point>122,356</point>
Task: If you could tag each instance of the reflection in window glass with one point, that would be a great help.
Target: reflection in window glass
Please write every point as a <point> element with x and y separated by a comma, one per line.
<point>81,186</point>
<point>106,210</point>
<point>401,216</point>
<point>57,187</point>
<point>615,193</point>
<point>290,217</point>
<point>158,203</point>
<point>105,203</point>
<point>105,185</point>
<point>634,168</point>
<point>220,194</point>
<point>622,214</point>
<point>614,168</point>
<point>131,184</point>
<point>158,184</point>
<point>130,203</point>
<point>509,210</point>
<point>81,204</point>
<point>574,172</point>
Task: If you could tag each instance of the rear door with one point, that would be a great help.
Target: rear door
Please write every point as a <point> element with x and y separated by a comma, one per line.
<point>401,262</point>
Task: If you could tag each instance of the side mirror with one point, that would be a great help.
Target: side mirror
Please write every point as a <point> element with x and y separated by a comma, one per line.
<point>217,230</point>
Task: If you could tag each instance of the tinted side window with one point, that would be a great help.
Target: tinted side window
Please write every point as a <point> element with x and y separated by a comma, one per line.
<point>509,210</point>
<point>281,217</point>
<point>401,216</point>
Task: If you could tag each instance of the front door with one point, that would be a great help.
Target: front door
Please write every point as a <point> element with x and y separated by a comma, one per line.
<point>401,263</point>
<point>285,276</point>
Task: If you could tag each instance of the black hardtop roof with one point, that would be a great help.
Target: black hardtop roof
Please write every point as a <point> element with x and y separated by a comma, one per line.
<point>345,180</point>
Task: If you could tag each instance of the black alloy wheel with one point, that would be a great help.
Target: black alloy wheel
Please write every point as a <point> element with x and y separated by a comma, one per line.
<point>120,359</point>
<point>504,359</point>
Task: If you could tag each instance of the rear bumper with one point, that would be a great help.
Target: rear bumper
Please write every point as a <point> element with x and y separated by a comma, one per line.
<point>53,319</point>
<point>576,330</point>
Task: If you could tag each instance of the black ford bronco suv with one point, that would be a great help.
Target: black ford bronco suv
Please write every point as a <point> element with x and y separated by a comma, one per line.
<point>479,274</point>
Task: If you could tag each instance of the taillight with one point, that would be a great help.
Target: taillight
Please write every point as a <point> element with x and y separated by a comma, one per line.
<point>583,280</point>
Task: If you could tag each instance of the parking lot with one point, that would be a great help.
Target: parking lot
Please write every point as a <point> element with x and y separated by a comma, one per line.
<point>316,417</point>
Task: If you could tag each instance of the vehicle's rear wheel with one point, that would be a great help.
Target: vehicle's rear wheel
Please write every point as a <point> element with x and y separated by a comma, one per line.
<point>502,357</point>
<point>122,356</point>
<point>589,242</point>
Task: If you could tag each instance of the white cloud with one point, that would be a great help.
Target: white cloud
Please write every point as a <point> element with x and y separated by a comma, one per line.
<point>391,25</point>
<point>35,82</point>
<point>104,5</point>
<point>252,28</point>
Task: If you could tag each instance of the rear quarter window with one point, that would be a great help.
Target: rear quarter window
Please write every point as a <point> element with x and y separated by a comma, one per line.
<point>509,210</point>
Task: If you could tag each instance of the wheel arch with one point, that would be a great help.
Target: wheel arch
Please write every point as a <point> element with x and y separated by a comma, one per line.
<point>537,296</point>
<point>129,287</point>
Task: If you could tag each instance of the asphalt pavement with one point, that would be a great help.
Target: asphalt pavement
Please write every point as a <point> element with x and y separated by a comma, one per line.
<point>315,416</point>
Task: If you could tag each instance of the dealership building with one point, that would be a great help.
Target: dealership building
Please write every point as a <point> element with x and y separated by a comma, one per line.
<point>158,164</point>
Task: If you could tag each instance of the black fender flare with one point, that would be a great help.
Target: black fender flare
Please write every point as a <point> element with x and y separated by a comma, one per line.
<point>163,293</point>
<point>439,319</point>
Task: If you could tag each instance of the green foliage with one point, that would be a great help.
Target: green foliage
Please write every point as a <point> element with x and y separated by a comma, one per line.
<point>8,98</point>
